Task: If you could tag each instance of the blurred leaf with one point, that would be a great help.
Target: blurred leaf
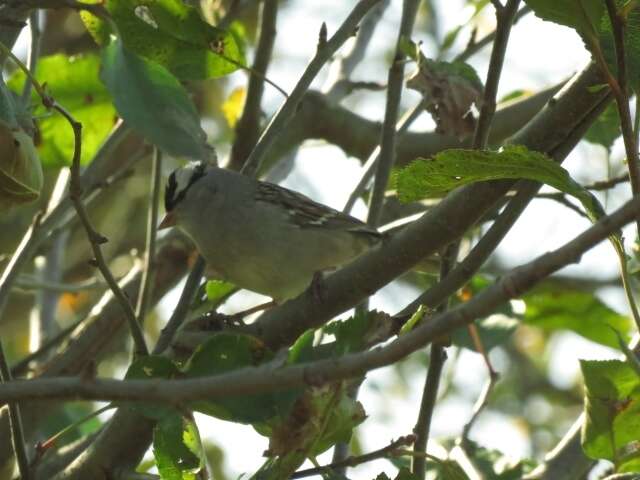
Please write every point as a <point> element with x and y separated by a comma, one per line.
<point>218,289</point>
<point>631,45</point>
<point>226,352</point>
<point>147,368</point>
<point>493,330</point>
<point>584,16</point>
<point>73,82</point>
<point>630,355</point>
<point>453,168</point>
<point>496,465</point>
<point>514,94</point>
<point>450,38</point>
<point>612,410</point>
<point>302,350</point>
<point>171,33</point>
<point>154,102</point>
<point>449,90</point>
<point>233,105</point>
<point>554,309</point>
<point>21,177</point>
<point>177,448</point>
<point>606,128</point>
<point>447,470</point>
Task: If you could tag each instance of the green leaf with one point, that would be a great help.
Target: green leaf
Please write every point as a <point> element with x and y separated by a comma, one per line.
<point>147,368</point>
<point>606,128</point>
<point>631,45</point>
<point>217,290</point>
<point>350,334</point>
<point>73,82</point>
<point>449,90</point>
<point>171,33</point>
<point>552,309</point>
<point>21,176</point>
<point>154,102</point>
<point>226,352</point>
<point>177,448</point>
<point>612,410</point>
<point>581,15</point>
<point>405,474</point>
<point>302,350</point>
<point>457,167</point>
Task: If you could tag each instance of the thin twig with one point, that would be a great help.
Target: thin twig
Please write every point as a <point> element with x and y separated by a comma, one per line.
<point>95,238</point>
<point>27,283</point>
<point>504,15</point>
<point>369,167</point>
<point>338,83</point>
<point>564,201</point>
<point>15,422</point>
<point>182,308</point>
<point>20,368</point>
<point>395,82</point>
<point>621,95</point>
<point>474,47</point>
<point>384,452</point>
<point>152,231</point>
<point>248,128</point>
<point>39,231</point>
<point>427,405</point>
<point>607,184</point>
<point>324,52</point>
<point>479,406</point>
<point>266,378</point>
<point>476,257</point>
<point>434,373</point>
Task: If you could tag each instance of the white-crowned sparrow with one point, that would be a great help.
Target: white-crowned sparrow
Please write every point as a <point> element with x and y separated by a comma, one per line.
<point>258,235</point>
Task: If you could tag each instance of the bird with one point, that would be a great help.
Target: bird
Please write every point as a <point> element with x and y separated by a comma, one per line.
<point>258,235</point>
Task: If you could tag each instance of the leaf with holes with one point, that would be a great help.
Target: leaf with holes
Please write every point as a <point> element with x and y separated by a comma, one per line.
<point>177,448</point>
<point>226,352</point>
<point>171,33</point>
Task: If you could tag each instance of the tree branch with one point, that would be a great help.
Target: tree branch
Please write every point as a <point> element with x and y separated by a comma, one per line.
<point>504,15</point>
<point>395,80</point>
<point>275,377</point>
<point>384,452</point>
<point>152,231</point>
<point>93,180</point>
<point>96,239</point>
<point>551,133</point>
<point>15,422</point>
<point>248,129</point>
<point>285,113</point>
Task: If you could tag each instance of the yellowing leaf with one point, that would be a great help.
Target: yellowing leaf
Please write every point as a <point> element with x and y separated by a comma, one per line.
<point>233,105</point>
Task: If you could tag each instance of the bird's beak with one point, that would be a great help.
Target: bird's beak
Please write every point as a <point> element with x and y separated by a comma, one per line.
<point>169,220</point>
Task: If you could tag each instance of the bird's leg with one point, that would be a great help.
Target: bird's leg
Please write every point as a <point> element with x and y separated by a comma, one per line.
<point>318,287</point>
